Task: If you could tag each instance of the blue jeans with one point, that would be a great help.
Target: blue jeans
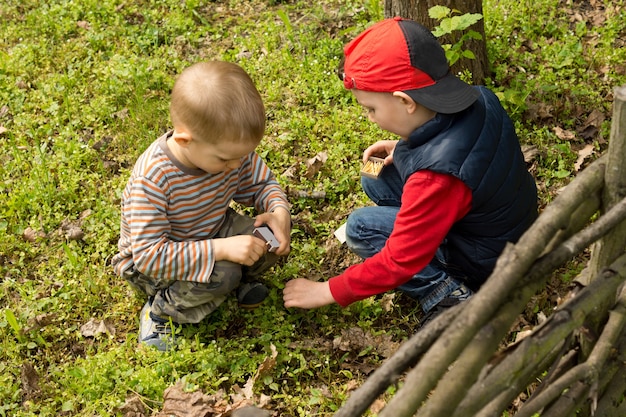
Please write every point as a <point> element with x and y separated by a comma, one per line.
<point>368,229</point>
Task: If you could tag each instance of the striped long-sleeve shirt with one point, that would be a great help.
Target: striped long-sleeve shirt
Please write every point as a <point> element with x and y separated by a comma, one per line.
<point>171,212</point>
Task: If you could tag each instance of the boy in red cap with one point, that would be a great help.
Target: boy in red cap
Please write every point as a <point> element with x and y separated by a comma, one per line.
<point>454,190</point>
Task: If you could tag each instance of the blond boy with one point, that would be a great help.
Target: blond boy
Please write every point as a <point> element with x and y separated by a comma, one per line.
<point>181,244</point>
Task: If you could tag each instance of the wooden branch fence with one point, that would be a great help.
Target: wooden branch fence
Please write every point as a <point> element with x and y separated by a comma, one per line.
<point>574,363</point>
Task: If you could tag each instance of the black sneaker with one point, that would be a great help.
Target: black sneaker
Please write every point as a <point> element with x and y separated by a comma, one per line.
<point>251,294</point>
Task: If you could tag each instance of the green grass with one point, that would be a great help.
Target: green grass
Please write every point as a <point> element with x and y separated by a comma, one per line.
<point>84,89</point>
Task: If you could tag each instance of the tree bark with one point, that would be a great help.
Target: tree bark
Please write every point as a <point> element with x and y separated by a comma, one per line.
<point>418,10</point>
<point>615,189</point>
<point>613,402</point>
<point>429,372</point>
<point>589,370</point>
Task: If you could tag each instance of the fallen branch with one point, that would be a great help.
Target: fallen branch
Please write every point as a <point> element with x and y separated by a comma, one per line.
<point>589,370</point>
<point>445,350</point>
<point>389,372</point>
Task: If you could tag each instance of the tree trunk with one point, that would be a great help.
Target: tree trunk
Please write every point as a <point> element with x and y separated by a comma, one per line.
<point>418,10</point>
<point>615,189</point>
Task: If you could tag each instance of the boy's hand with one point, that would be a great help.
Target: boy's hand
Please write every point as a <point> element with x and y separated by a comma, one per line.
<point>280,223</point>
<point>303,293</point>
<point>240,249</point>
<point>381,149</point>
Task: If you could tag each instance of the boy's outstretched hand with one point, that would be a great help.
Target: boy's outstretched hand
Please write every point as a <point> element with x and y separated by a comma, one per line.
<point>304,293</point>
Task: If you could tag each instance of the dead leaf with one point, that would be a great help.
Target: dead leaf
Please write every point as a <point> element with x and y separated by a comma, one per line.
<point>582,155</point>
<point>263,400</point>
<point>314,164</point>
<point>316,195</point>
<point>597,18</point>
<point>541,111</point>
<point>595,118</point>
<point>351,385</point>
<point>522,335</point>
<point>356,340</point>
<point>386,301</point>
<point>32,235</point>
<point>238,399</point>
<point>250,411</point>
<point>591,127</point>
<point>122,114</point>
<point>353,338</point>
<point>2,129</point>
<point>290,173</point>
<point>541,317</point>
<point>95,327</point>
<point>178,403</point>
<point>41,320</point>
<point>133,407</point>
<point>377,406</point>
<point>72,229</point>
<point>30,382</point>
<point>74,233</point>
<point>102,143</point>
<point>83,24</point>
<point>588,133</point>
<point>244,55</point>
<point>268,364</point>
<point>530,153</point>
<point>564,134</point>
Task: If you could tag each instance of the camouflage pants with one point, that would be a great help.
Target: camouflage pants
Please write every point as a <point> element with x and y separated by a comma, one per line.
<point>190,302</point>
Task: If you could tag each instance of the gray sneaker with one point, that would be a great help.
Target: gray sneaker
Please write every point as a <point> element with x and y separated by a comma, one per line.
<point>155,331</point>
<point>460,294</point>
<point>456,297</point>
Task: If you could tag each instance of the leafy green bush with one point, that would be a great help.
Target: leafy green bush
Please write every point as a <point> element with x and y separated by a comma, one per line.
<point>451,22</point>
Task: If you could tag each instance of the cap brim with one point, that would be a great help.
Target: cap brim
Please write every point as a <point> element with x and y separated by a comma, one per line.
<point>448,95</point>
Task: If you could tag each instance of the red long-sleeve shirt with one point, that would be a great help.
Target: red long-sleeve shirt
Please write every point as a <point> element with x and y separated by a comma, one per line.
<point>431,204</point>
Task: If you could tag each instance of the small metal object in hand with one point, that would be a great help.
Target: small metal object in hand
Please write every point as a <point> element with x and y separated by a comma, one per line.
<point>265,234</point>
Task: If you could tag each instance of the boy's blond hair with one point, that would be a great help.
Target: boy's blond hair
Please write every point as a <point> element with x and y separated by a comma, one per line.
<point>218,101</point>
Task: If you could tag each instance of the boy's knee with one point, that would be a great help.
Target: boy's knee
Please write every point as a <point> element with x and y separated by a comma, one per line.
<point>354,229</point>
<point>355,223</point>
<point>369,185</point>
<point>223,282</point>
<point>140,283</point>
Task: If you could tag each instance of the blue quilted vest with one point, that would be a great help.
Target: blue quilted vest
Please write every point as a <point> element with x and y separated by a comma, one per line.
<point>479,146</point>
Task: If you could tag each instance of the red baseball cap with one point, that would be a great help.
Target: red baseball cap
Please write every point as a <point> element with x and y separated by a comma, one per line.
<point>401,55</point>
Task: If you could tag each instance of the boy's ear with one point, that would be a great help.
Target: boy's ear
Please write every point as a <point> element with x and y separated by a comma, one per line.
<point>407,100</point>
<point>181,137</point>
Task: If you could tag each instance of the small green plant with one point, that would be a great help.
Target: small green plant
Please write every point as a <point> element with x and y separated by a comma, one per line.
<point>17,329</point>
<point>452,22</point>
<point>513,100</point>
